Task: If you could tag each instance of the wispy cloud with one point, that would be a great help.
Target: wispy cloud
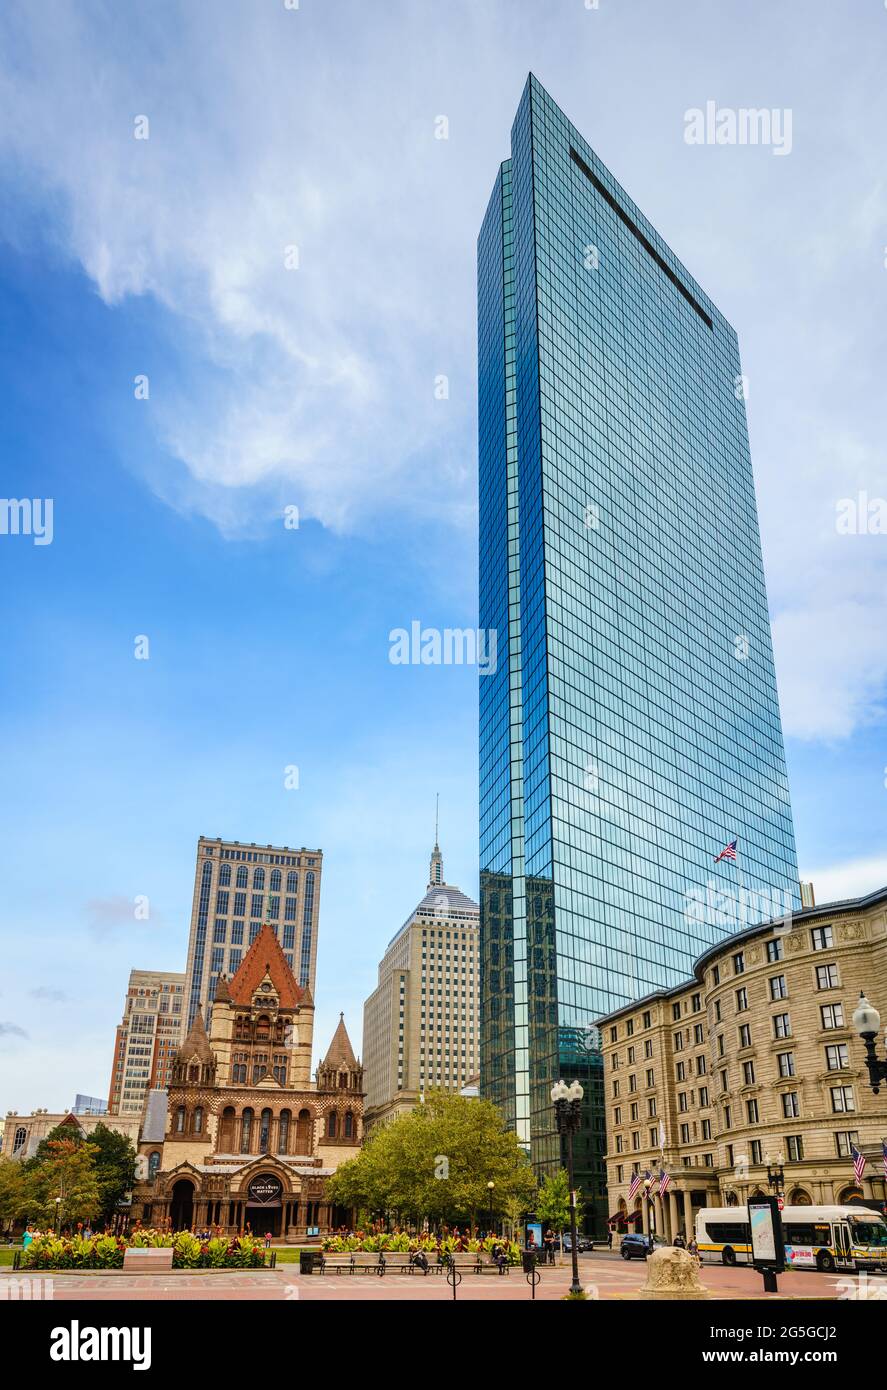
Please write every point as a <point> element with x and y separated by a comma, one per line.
<point>851,879</point>
<point>11,1030</point>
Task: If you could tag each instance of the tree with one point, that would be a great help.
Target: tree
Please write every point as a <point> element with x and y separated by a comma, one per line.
<point>553,1203</point>
<point>12,1191</point>
<point>62,1188</point>
<point>435,1163</point>
<point>114,1161</point>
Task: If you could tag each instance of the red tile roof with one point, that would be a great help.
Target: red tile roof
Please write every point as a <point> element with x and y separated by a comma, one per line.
<point>265,957</point>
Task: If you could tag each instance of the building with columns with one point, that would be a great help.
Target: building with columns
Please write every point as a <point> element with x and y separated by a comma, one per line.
<point>752,1065</point>
<point>421,1023</point>
<point>245,1136</point>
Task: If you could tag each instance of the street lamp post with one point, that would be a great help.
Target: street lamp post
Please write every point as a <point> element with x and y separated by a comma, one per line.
<point>867,1022</point>
<point>775,1173</point>
<point>567,1100</point>
<point>490,1186</point>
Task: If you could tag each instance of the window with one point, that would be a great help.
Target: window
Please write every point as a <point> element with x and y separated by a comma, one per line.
<point>678,1042</point>
<point>821,938</point>
<point>680,1071</point>
<point>827,977</point>
<point>706,1129</point>
<point>703,1097</point>
<point>778,987</point>
<point>180,1120</point>
<point>696,1003</point>
<point>845,1140</point>
<point>756,1151</point>
<point>786,1062</point>
<point>791,1108</point>
<point>154,1164</point>
<point>242,872</point>
<point>682,1101</point>
<point>739,963</point>
<point>265,1132</point>
<point>745,1035</point>
<point>349,1125</point>
<point>752,1112</point>
<point>197,1127</point>
<point>717,1011</point>
<point>836,1057</point>
<point>258,879</point>
<point>647,1018</point>
<point>842,1099</point>
<point>18,1142</point>
<point>794,1148</point>
<point>698,1035</point>
<point>832,1015</point>
<point>748,1073</point>
<point>716,974</point>
<point>651,1080</point>
<point>275,880</point>
<point>782,1027</point>
<point>651,1107</point>
<point>774,950</point>
<point>225,875</point>
<point>685,1134</point>
<point>675,1011</point>
<point>741,1000</point>
<point>283,1132</point>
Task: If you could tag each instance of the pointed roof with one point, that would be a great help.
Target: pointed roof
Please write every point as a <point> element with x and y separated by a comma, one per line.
<point>196,1043</point>
<point>340,1053</point>
<point>265,959</point>
<point>222,991</point>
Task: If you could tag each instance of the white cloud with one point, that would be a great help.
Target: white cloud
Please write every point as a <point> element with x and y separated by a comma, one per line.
<point>851,879</point>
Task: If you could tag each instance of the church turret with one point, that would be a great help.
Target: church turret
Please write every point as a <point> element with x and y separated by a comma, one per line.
<point>195,1060</point>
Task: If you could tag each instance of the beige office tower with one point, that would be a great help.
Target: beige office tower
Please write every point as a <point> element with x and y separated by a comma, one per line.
<point>237,887</point>
<point>420,1024</point>
<point>148,1038</point>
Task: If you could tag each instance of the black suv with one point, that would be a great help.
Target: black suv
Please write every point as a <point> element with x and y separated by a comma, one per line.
<point>636,1246</point>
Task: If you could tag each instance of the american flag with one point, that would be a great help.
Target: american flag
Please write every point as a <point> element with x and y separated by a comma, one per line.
<point>728,853</point>
<point>664,1180</point>
<point>859,1162</point>
<point>635,1184</point>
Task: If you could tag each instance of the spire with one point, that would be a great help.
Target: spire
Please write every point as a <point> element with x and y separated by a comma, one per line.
<point>340,1054</point>
<point>196,1044</point>
<point>435,871</point>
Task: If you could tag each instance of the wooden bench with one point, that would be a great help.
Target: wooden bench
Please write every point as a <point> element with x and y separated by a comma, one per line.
<point>473,1262</point>
<point>357,1262</point>
<point>147,1259</point>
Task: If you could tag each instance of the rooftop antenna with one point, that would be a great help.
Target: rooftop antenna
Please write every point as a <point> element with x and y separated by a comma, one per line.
<point>436,816</point>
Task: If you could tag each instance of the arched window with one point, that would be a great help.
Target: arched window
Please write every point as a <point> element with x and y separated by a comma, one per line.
<point>343,1080</point>
<point>349,1125</point>
<point>263,1028</point>
<point>275,880</point>
<point>194,1072</point>
<point>258,879</point>
<point>246,1129</point>
<point>292,881</point>
<point>241,875</point>
<point>226,1131</point>
<point>304,1132</point>
<point>180,1120</point>
<point>198,1120</point>
<point>153,1164</point>
<point>225,875</point>
<point>283,1132</point>
<point>18,1142</point>
<point>265,1132</point>
<point>332,1124</point>
<point>241,1026</point>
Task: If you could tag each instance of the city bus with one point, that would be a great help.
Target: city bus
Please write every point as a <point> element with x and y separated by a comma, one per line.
<point>822,1238</point>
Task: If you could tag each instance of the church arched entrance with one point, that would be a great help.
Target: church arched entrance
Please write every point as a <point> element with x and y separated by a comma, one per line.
<point>181,1207</point>
<point>264,1205</point>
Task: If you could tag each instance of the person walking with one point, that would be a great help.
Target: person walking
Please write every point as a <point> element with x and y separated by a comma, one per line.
<point>609,1237</point>
<point>679,1241</point>
<point>548,1243</point>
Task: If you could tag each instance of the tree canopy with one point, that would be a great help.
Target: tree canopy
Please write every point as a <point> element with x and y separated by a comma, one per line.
<point>436,1162</point>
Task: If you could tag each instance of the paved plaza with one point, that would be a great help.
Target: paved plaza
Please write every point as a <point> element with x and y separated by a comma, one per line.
<point>604,1276</point>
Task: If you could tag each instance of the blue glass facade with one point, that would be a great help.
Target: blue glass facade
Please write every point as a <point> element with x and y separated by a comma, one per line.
<point>631,728</point>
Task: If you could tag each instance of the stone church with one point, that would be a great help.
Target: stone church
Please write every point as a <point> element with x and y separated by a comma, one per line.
<point>244,1137</point>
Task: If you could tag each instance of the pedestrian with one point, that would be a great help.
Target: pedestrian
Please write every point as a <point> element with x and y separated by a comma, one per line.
<point>267,1240</point>
<point>28,1236</point>
<point>679,1241</point>
<point>609,1237</point>
<point>693,1248</point>
<point>548,1241</point>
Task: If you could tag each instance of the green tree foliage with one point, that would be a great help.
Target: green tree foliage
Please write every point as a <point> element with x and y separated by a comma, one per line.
<point>553,1202</point>
<point>68,1172</point>
<point>12,1191</point>
<point>436,1162</point>
<point>114,1161</point>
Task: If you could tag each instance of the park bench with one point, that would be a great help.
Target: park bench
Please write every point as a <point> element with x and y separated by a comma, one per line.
<point>400,1262</point>
<point>357,1262</point>
<point>473,1262</point>
<point>147,1259</point>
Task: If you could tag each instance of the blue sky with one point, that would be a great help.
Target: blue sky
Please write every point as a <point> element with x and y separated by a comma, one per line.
<point>271,128</point>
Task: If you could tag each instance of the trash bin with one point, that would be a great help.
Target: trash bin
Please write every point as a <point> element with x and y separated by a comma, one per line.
<point>528,1260</point>
<point>309,1261</point>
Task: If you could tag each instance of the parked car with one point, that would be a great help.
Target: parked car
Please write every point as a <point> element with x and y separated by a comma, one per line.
<point>582,1243</point>
<point>637,1246</point>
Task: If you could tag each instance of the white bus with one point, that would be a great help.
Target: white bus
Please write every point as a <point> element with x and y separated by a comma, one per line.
<point>823,1238</point>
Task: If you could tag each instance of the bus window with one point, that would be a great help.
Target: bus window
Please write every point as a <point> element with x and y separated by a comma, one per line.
<point>868,1232</point>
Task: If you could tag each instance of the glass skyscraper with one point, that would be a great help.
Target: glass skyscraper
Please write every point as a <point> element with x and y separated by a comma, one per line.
<point>631,728</point>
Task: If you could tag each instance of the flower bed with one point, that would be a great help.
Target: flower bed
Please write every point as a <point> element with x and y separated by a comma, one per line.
<point>106,1252</point>
<point>399,1242</point>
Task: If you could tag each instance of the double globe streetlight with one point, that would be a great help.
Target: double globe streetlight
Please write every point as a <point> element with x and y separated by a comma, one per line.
<point>566,1101</point>
<point>867,1022</point>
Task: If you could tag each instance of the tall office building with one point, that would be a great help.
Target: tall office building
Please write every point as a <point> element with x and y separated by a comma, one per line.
<point>420,1024</point>
<point>147,1038</point>
<point>631,729</point>
<point>237,887</point>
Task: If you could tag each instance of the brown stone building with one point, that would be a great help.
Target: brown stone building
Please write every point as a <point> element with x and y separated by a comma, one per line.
<point>245,1136</point>
<point>752,1064</point>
